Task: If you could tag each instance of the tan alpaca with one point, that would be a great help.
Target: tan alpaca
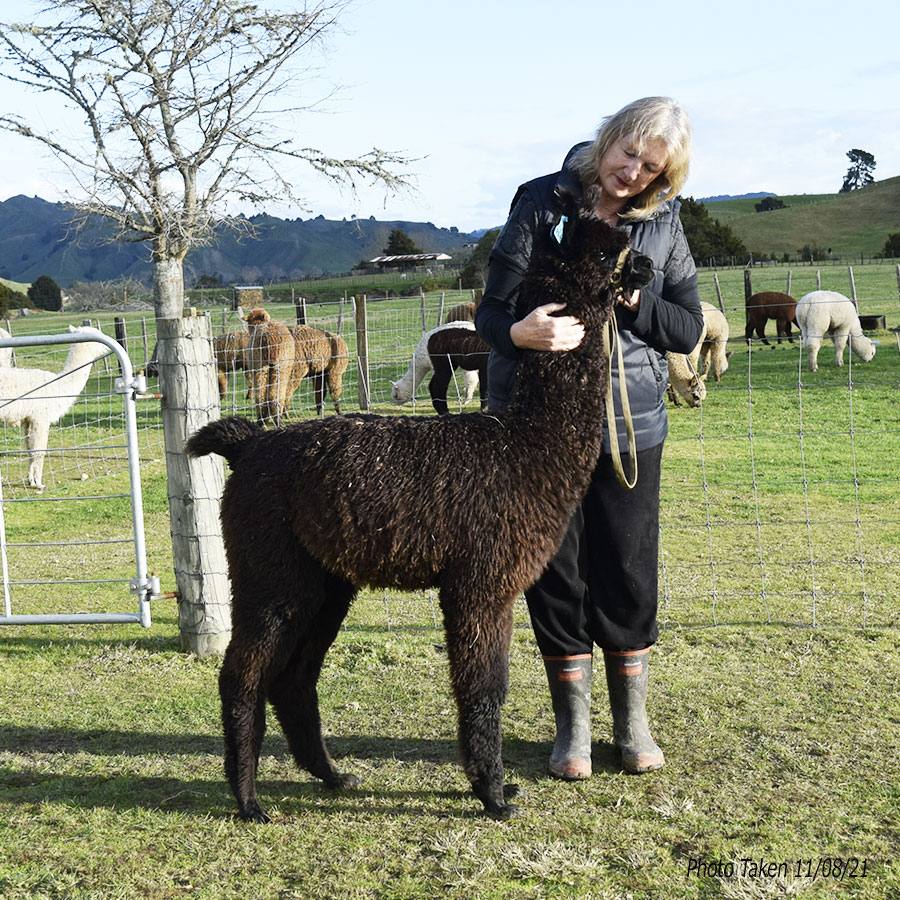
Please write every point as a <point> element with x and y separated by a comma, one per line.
<point>323,356</point>
<point>270,359</point>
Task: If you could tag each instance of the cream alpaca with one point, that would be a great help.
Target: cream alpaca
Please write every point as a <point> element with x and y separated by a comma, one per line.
<point>34,399</point>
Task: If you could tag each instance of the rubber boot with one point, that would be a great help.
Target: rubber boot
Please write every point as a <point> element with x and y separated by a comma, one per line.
<point>627,678</point>
<point>570,692</point>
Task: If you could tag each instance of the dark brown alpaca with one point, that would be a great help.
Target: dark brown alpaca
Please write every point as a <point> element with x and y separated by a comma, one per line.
<point>770,305</point>
<point>315,510</point>
<point>456,348</point>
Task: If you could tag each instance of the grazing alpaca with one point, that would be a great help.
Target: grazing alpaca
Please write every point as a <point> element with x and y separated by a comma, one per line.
<point>315,510</point>
<point>270,359</point>
<point>230,351</point>
<point>36,399</point>
<point>322,355</point>
<point>402,391</point>
<point>828,312</point>
<point>450,349</point>
<point>462,312</point>
<point>713,346</point>
<point>770,305</point>
<point>685,382</point>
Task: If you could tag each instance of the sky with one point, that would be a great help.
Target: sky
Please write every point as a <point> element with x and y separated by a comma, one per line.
<point>483,96</point>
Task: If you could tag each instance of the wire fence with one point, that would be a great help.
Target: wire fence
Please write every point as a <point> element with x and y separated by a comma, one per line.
<point>780,494</point>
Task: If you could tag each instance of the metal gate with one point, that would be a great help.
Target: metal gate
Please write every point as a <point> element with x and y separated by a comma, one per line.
<point>142,586</point>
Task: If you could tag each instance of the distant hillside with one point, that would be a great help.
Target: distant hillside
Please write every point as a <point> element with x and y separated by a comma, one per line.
<point>852,224</point>
<point>36,239</point>
<point>720,197</point>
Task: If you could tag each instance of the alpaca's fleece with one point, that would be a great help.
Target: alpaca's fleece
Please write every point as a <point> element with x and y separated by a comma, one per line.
<point>770,305</point>
<point>474,505</point>
<point>35,399</point>
<point>714,351</point>
<point>230,352</point>
<point>6,353</point>
<point>270,359</point>
<point>323,356</point>
<point>828,312</point>
<point>684,375</point>
<point>402,391</point>
<point>462,312</point>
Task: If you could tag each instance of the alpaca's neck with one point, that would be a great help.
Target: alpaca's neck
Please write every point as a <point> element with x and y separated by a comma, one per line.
<point>78,365</point>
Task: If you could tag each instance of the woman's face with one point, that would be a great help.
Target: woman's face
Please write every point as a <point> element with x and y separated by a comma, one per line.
<point>625,172</point>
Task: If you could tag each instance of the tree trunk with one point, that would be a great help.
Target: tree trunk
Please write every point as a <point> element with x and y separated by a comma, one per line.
<point>187,380</point>
<point>168,287</point>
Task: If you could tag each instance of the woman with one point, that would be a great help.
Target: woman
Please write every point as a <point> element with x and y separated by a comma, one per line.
<point>601,587</point>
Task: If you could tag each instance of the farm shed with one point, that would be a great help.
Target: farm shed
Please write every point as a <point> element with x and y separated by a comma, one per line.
<point>408,259</point>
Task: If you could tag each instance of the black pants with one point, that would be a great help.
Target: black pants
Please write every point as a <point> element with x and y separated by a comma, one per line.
<point>602,585</point>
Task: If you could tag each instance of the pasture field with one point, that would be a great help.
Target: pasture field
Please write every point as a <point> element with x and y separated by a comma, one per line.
<point>780,509</point>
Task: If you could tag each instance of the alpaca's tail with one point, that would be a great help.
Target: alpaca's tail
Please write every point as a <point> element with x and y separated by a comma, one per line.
<point>226,437</point>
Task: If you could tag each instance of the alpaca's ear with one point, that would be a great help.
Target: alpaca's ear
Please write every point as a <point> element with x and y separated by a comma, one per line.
<point>72,329</point>
<point>394,384</point>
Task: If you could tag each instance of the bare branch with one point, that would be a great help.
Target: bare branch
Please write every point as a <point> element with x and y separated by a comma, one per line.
<point>183,108</point>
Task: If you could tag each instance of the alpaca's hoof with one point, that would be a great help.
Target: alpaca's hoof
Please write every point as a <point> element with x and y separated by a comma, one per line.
<point>502,812</point>
<point>343,780</point>
<point>253,812</point>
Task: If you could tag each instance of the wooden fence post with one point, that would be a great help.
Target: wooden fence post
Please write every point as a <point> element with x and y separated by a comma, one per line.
<point>852,288</point>
<point>362,352</point>
<point>818,279</point>
<point>718,291</point>
<point>424,323</point>
<point>190,399</point>
<point>787,289</point>
<point>300,309</point>
<point>440,315</point>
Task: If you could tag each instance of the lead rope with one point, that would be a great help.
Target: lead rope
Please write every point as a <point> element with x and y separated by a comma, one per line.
<point>611,339</point>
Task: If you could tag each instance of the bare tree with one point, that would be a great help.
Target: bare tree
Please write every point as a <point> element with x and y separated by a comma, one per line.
<point>184,106</point>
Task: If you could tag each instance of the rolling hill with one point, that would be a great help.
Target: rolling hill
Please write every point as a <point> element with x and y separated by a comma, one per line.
<point>852,225</point>
<point>36,238</point>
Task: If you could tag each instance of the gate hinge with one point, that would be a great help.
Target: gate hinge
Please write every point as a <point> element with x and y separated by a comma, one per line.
<point>149,585</point>
<point>138,384</point>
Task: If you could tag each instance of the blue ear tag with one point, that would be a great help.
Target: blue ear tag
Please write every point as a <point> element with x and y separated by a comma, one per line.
<point>558,230</point>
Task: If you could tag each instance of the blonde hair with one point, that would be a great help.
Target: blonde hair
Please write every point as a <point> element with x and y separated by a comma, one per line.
<point>648,119</point>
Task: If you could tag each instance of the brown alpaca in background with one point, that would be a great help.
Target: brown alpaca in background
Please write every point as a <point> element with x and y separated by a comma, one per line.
<point>270,359</point>
<point>464,312</point>
<point>230,351</point>
<point>322,355</point>
<point>314,511</point>
<point>770,305</point>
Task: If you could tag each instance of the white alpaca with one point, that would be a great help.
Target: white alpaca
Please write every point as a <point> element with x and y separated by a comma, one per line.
<point>402,391</point>
<point>828,312</point>
<point>34,399</point>
<point>6,353</point>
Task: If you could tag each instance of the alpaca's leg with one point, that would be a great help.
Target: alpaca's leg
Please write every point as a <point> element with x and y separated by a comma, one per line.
<point>319,384</point>
<point>483,385</point>
<point>294,694</point>
<point>37,435</point>
<point>478,650</point>
<point>840,344</point>
<point>244,717</point>
<point>812,351</point>
<point>335,386</point>
<point>440,381</point>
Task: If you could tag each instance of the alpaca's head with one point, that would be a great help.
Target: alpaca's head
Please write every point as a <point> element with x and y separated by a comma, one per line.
<point>586,240</point>
<point>400,392</point>
<point>85,351</point>
<point>862,347</point>
<point>257,317</point>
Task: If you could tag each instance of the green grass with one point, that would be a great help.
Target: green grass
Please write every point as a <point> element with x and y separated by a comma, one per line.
<point>780,746</point>
<point>780,738</point>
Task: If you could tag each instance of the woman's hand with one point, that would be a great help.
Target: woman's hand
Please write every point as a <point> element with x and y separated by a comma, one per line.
<point>631,302</point>
<point>540,330</point>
